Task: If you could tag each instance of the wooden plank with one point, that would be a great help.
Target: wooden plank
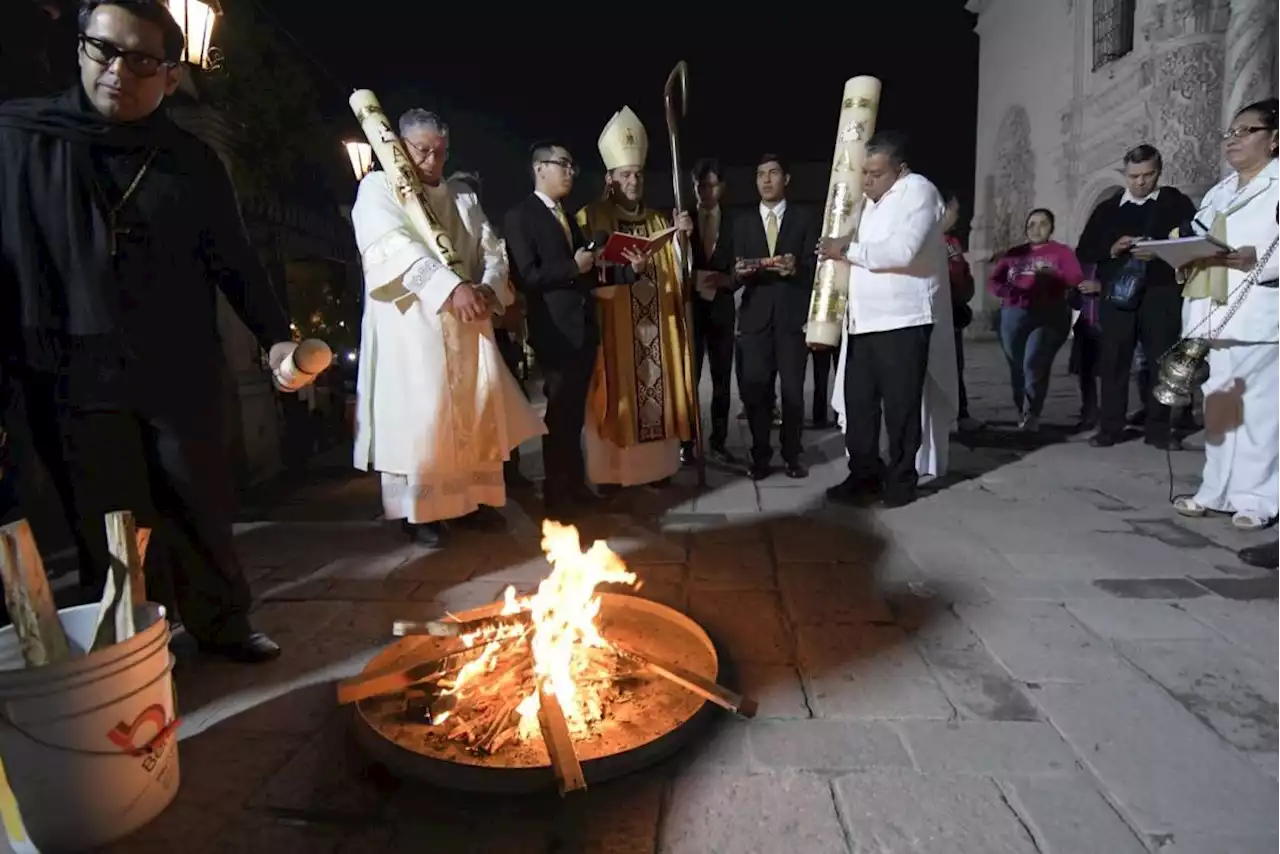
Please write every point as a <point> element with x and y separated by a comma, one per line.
<point>555,734</point>
<point>138,578</point>
<point>400,676</point>
<point>29,599</point>
<point>700,685</point>
<point>125,582</point>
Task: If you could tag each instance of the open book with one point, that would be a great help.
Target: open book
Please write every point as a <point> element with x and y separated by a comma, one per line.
<point>1179,251</point>
<point>618,241</point>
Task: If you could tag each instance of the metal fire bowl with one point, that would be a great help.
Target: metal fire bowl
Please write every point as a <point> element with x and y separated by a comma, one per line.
<point>656,720</point>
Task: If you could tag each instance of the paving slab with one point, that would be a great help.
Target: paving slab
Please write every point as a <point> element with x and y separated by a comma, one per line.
<point>900,811</point>
<point>1069,815</point>
<point>714,810</point>
<point>990,748</point>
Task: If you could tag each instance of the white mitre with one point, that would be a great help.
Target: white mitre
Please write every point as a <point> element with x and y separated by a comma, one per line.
<point>623,142</point>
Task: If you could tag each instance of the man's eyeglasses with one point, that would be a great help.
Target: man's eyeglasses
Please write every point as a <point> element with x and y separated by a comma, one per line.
<point>568,166</point>
<point>1241,132</point>
<point>139,64</point>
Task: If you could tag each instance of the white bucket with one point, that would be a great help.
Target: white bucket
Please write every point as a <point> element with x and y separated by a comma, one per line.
<point>90,745</point>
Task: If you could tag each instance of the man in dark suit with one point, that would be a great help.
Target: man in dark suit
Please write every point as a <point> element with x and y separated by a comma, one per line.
<point>554,271</point>
<point>774,262</point>
<point>712,302</point>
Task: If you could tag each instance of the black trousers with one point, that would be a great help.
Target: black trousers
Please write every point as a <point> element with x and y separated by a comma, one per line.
<point>1086,349</point>
<point>1156,323</point>
<point>565,384</point>
<point>510,349</point>
<point>964,393</point>
<point>172,473</point>
<point>884,376</point>
<point>822,361</point>
<point>769,355</point>
<point>713,340</point>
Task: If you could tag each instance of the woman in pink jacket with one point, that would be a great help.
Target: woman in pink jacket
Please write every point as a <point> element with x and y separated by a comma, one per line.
<point>1032,281</point>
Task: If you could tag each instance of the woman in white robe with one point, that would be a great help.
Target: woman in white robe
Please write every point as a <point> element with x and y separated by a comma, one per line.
<point>1241,405</point>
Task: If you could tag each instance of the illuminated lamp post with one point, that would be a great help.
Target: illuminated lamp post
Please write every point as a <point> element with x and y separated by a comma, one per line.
<point>197,19</point>
<point>361,156</point>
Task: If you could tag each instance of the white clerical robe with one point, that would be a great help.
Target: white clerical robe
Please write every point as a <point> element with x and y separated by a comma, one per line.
<point>437,410</point>
<point>1242,394</point>
<point>901,246</point>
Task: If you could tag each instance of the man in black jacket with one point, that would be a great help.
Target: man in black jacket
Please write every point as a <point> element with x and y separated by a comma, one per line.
<point>554,271</point>
<point>117,230</point>
<point>714,314</point>
<point>1154,318</point>
<point>774,260</point>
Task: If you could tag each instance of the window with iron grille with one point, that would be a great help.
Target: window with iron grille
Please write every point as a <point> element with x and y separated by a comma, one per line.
<point>1112,30</point>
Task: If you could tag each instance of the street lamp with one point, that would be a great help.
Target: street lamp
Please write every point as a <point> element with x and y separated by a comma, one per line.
<point>361,156</point>
<point>197,19</point>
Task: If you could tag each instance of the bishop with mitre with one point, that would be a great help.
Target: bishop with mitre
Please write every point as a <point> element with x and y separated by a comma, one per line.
<point>438,412</point>
<point>639,409</point>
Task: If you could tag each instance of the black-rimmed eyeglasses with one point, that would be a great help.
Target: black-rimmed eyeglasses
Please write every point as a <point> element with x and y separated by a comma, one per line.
<point>567,165</point>
<point>139,63</point>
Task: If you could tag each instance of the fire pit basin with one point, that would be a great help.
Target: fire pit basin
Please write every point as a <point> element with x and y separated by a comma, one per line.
<point>652,719</point>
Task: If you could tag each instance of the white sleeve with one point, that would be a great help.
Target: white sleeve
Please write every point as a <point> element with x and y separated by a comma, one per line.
<point>919,212</point>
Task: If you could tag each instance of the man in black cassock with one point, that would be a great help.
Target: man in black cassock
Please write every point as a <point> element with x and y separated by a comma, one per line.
<point>115,229</point>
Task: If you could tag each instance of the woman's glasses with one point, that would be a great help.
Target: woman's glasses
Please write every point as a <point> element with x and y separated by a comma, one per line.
<point>1241,132</point>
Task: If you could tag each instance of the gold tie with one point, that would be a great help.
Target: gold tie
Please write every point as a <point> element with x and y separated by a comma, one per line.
<point>564,223</point>
<point>771,231</point>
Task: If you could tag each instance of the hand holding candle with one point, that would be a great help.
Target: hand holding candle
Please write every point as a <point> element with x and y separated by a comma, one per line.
<point>296,366</point>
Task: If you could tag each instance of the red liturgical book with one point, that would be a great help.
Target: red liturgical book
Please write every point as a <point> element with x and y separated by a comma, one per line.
<point>617,242</point>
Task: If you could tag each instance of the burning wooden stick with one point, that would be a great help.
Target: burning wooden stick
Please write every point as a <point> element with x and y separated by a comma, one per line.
<point>457,628</point>
<point>703,687</point>
<point>396,678</point>
<point>555,733</point>
<point>29,599</point>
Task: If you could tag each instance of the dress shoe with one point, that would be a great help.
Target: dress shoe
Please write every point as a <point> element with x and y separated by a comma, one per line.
<point>853,490</point>
<point>429,534</point>
<point>1265,556</point>
<point>1102,440</point>
<point>897,498</point>
<point>796,470</point>
<point>256,648</point>
<point>1164,443</point>
<point>483,518</point>
<point>719,454</point>
<point>688,456</point>
<point>759,471</point>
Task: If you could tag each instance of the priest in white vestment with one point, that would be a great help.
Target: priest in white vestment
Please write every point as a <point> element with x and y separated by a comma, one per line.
<point>438,412</point>
<point>898,362</point>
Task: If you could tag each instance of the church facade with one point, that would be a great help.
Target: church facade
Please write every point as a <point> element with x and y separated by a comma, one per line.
<point>1067,86</point>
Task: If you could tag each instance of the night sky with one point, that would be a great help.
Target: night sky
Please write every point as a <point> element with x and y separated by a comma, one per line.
<point>503,80</point>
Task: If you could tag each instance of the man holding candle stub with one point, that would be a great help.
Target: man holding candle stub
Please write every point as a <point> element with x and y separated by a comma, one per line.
<point>115,229</point>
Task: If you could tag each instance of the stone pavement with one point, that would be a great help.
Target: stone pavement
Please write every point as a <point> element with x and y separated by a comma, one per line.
<point>1038,656</point>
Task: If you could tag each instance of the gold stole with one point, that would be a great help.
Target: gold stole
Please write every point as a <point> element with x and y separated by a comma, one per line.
<point>1211,281</point>
<point>640,391</point>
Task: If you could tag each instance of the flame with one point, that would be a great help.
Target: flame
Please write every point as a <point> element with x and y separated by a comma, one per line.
<point>563,614</point>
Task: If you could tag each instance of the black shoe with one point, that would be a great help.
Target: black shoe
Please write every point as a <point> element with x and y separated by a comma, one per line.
<point>1265,556</point>
<point>759,471</point>
<point>796,470</point>
<point>719,454</point>
<point>429,534</point>
<point>483,518</point>
<point>254,649</point>
<point>897,498</point>
<point>853,490</point>
<point>688,456</point>
<point>1137,418</point>
<point>1102,440</point>
<point>1165,443</point>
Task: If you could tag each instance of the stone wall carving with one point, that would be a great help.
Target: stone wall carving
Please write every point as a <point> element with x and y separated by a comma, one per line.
<point>1250,64</point>
<point>1014,174</point>
<point>1173,19</point>
<point>1187,103</point>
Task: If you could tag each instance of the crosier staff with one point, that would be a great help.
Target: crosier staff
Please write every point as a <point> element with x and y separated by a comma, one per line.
<point>684,254</point>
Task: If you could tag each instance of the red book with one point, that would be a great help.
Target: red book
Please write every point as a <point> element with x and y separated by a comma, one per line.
<point>618,242</point>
